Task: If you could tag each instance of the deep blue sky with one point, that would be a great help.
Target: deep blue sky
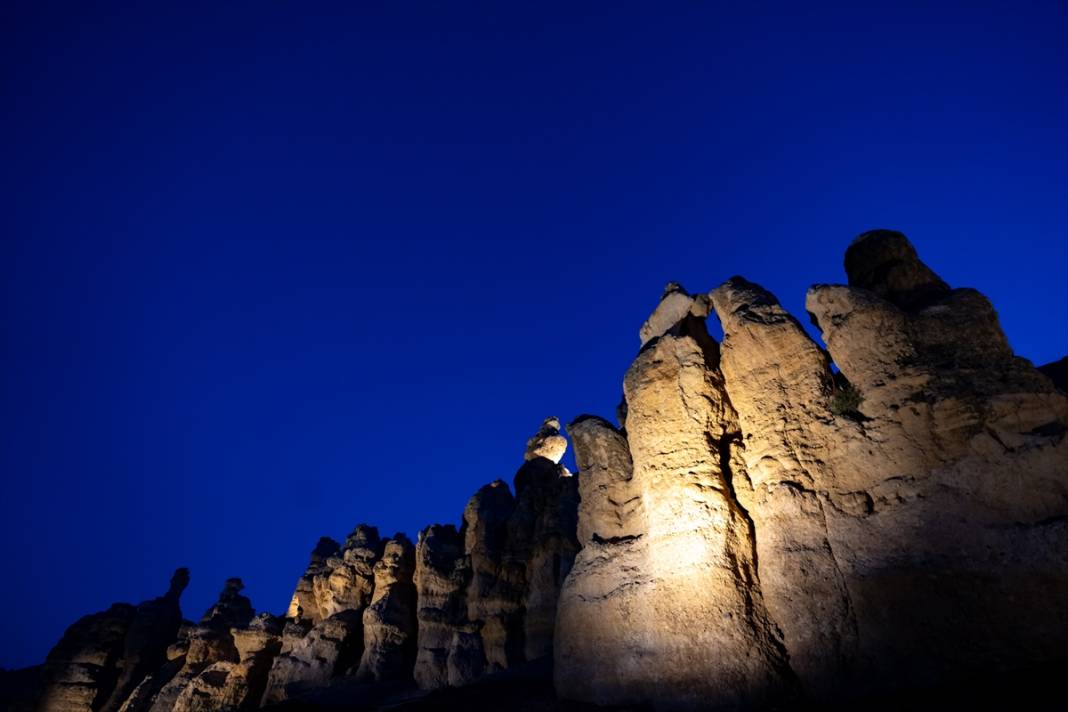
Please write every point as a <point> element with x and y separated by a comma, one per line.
<point>273,268</point>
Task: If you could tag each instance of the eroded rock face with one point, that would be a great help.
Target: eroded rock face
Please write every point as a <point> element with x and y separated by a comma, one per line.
<point>665,605</point>
<point>946,491</point>
<point>486,530</point>
<point>304,603</point>
<point>81,671</point>
<point>238,685</point>
<point>154,627</point>
<point>440,580</point>
<point>389,622</point>
<point>884,527</point>
<point>885,263</point>
<point>781,385</point>
<point>762,525</point>
<point>598,644</point>
<point>323,636</point>
<point>704,603</point>
<point>228,682</point>
<point>203,656</point>
<point>610,507</point>
<point>675,306</point>
<point>547,442</point>
<point>313,654</point>
<point>542,538</point>
<point>347,580</point>
<point>231,610</point>
<point>103,657</point>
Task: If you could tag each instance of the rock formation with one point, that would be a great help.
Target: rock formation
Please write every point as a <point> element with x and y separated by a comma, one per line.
<point>303,603</point>
<point>697,595</point>
<point>486,531</point>
<point>206,654</point>
<point>891,525</point>
<point>604,596</point>
<point>154,627</point>
<point>389,622</point>
<point>440,579</point>
<point>103,657</point>
<point>81,671</point>
<point>772,523</point>
<point>312,655</point>
<point>323,635</point>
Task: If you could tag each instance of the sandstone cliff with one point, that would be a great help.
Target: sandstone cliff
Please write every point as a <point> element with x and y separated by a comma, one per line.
<point>773,521</point>
<point>891,524</point>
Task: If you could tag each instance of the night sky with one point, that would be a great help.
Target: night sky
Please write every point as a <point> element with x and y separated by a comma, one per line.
<point>271,269</point>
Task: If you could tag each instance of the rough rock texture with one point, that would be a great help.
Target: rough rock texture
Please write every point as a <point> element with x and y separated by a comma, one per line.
<point>347,580</point>
<point>102,658</point>
<point>485,534</point>
<point>440,579</point>
<point>203,657</point>
<point>304,604</point>
<point>389,622</point>
<point>894,525</point>
<point>764,526</point>
<point>781,384</point>
<point>542,540</point>
<point>702,603</point>
<point>675,305</point>
<point>228,684</point>
<point>323,635</point>
<point>232,609</point>
<point>154,627</point>
<point>885,263</point>
<point>664,605</point>
<point>81,671</point>
<point>610,507</point>
<point>597,636</point>
<point>547,442</point>
<point>246,680</point>
<point>947,494</point>
<point>311,655</point>
<point>207,646</point>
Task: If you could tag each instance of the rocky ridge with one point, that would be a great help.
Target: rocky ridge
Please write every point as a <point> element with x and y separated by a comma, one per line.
<point>771,522</point>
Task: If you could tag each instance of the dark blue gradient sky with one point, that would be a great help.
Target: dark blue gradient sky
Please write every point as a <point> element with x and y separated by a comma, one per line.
<point>273,268</point>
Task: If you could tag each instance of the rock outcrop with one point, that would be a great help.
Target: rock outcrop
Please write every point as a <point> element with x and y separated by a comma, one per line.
<point>312,655</point>
<point>154,627</point>
<point>389,622</point>
<point>440,579</point>
<point>81,671</point>
<point>891,525</point>
<point>323,636</point>
<point>205,655</point>
<point>598,643</point>
<point>103,657</point>
<point>304,604</point>
<point>698,633</point>
<point>773,522</point>
<point>780,384</point>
